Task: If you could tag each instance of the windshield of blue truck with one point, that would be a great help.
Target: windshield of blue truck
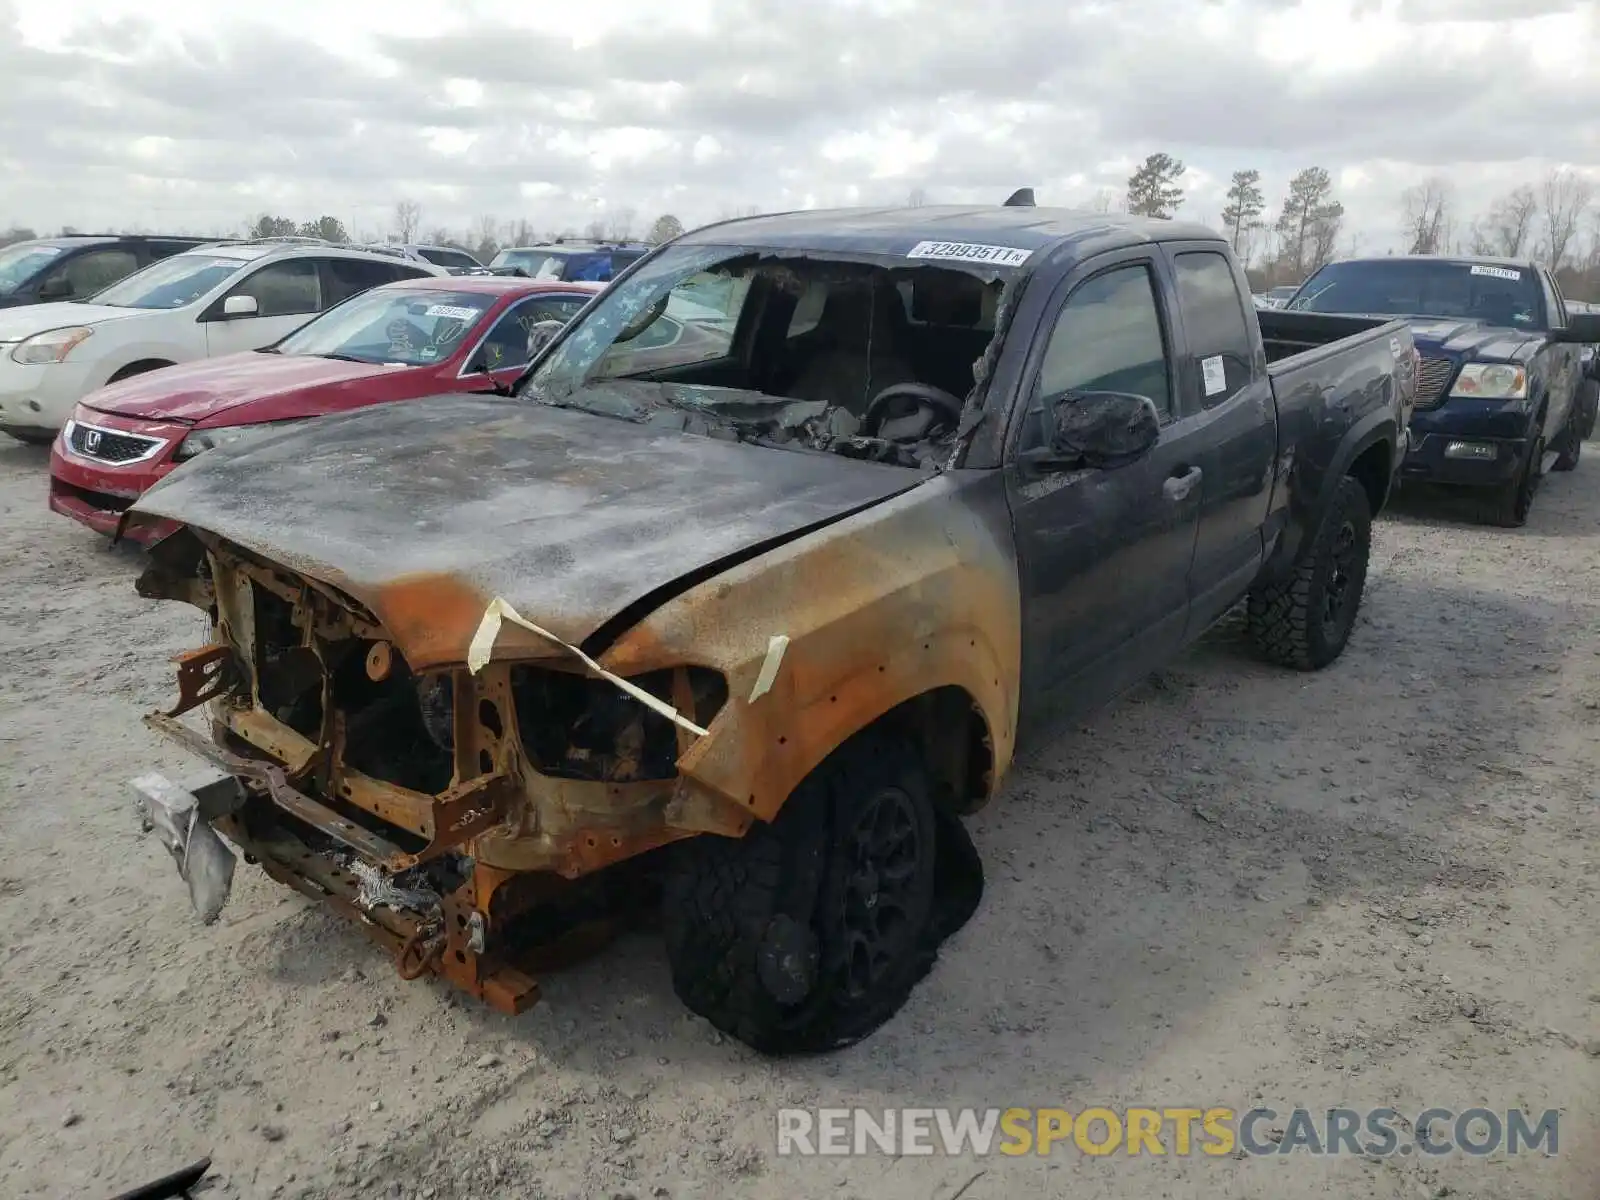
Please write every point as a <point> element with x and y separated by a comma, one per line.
<point>1491,293</point>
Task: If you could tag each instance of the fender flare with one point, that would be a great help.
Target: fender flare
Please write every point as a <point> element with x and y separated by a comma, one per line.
<point>1369,431</point>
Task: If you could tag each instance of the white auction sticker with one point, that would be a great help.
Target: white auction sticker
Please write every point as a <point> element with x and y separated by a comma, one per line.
<point>1497,272</point>
<point>451,310</point>
<point>1216,376</point>
<point>996,256</point>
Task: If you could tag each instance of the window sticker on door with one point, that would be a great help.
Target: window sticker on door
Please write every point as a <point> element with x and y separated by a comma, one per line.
<point>1216,377</point>
<point>1497,272</point>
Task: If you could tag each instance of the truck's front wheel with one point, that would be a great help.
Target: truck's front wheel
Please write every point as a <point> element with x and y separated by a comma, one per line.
<point>1305,621</point>
<point>807,934</point>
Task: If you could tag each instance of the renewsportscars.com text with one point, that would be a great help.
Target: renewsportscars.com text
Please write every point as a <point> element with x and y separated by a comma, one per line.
<point>1176,1131</point>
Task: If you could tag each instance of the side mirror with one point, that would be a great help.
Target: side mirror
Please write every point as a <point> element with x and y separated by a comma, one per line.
<point>240,306</point>
<point>58,288</point>
<point>1581,327</point>
<point>540,335</point>
<point>1101,429</point>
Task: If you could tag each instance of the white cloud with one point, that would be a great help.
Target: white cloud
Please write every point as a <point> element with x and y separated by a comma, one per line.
<point>206,114</point>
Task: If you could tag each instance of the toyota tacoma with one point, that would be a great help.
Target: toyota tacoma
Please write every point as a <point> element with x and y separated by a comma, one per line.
<point>753,617</point>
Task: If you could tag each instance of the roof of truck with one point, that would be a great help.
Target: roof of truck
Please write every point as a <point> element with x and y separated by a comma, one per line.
<point>1488,260</point>
<point>897,230</point>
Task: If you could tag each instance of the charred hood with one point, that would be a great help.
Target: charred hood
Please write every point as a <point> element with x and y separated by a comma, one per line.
<point>425,511</point>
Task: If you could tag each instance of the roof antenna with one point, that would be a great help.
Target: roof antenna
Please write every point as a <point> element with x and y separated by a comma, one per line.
<point>1021,198</point>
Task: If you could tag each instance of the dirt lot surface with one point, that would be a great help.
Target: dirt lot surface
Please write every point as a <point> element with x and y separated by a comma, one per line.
<point>1238,886</point>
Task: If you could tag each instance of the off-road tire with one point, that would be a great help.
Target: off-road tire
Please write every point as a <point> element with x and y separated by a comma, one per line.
<point>1305,621</point>
<point>1569,446</point>
<point>1508,504</point>
<point>757,928</point>
<point>1588,407</point>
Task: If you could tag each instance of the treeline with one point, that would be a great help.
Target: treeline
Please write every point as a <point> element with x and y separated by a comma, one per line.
<point>1555,222</point>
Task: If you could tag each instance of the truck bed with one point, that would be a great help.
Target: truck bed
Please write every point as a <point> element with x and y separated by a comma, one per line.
<point>1289,334</point>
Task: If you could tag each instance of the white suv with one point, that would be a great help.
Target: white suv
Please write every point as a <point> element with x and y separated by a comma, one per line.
<point>216,299</point>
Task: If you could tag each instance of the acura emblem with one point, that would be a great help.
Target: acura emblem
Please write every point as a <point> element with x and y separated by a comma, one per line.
<point>91,440</point>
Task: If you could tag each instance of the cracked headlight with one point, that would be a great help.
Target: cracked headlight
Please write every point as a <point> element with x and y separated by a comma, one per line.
<point>1491,381</point>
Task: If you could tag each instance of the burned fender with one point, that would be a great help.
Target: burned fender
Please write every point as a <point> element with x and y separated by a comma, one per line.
<point>827,634</point>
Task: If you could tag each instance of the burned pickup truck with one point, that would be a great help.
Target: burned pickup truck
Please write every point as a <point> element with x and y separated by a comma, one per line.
<point>760,622</point>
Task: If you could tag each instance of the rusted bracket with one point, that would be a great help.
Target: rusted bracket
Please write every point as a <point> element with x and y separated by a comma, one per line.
<point>203,674</point>
<point>459,815</point>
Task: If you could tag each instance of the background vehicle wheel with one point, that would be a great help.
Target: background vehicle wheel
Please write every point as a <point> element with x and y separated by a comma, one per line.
<point>1509,504</point>
<point>1305,621</point>
<point>807,934</point>
<point>1588,406</point>
<point>1569,446</point>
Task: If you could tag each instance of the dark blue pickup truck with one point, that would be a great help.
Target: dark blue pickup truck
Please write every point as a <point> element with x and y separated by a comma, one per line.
<point>1506,392</point>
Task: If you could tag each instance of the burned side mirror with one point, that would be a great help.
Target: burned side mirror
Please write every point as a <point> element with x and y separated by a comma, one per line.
<point>1102,429</point>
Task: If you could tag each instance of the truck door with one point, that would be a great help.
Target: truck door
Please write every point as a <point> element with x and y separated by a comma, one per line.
<point>1222,382</point>
<point>1563,363</point>
<point>1103,555</point>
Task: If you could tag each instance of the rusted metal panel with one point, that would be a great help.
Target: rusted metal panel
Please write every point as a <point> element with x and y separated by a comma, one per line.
<point>915,594</point>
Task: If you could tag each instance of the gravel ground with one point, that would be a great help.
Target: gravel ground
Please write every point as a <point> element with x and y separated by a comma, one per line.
<point>1237,886</point>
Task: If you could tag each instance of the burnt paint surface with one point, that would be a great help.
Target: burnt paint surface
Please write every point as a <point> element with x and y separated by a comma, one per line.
<point>917,593</point>
<point>426,511</point>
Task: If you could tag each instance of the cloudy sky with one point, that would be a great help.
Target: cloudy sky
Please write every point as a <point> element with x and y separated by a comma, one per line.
<point>560,113</point>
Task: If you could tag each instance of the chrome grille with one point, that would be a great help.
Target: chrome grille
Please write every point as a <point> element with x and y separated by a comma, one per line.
<point>1433,379</point>
<point>110,445</point>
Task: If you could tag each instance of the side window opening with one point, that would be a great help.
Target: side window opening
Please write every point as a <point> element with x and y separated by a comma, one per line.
<point>284,289</point>
<point>1107,338</point>
<point>1214,323</point>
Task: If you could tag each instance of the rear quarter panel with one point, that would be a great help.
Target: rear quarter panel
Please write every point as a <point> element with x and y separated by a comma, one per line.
<point>1334,403</point>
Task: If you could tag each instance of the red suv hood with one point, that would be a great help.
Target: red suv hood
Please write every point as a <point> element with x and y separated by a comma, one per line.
<point>238,389</point>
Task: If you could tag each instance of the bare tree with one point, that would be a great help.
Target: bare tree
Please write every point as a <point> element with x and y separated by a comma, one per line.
<point>917,197</point>
<point>1103,200</point>
<point>1508,227</point>
<point>1566,196</point>
<point>619,227</point>
<point>521,233</point>
<point>485,238</point>
<point>1325,230</point>
<point>595,230</point>
<point>407,217</point>
<point>1425,215</point>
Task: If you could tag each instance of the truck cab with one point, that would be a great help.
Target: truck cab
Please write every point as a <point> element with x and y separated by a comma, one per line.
<point>1504,395</point>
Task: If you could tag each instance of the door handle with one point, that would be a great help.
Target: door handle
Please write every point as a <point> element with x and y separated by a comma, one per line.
<point>1179,484</point>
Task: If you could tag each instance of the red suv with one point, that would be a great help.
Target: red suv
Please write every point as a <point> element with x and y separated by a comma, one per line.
<point>401,341</point>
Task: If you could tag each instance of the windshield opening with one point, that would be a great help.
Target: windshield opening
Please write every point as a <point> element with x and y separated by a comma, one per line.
<point>171,283</point>
<point>788,350</point>
<point>20,263</point>
<point>405,325</point>
<point>1496,295</point>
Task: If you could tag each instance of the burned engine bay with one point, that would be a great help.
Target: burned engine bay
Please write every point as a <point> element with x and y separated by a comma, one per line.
<point>799,352</point>
<point>456,815</point>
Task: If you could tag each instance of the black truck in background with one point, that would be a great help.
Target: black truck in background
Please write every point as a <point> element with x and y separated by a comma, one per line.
<point>1506,392</point>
